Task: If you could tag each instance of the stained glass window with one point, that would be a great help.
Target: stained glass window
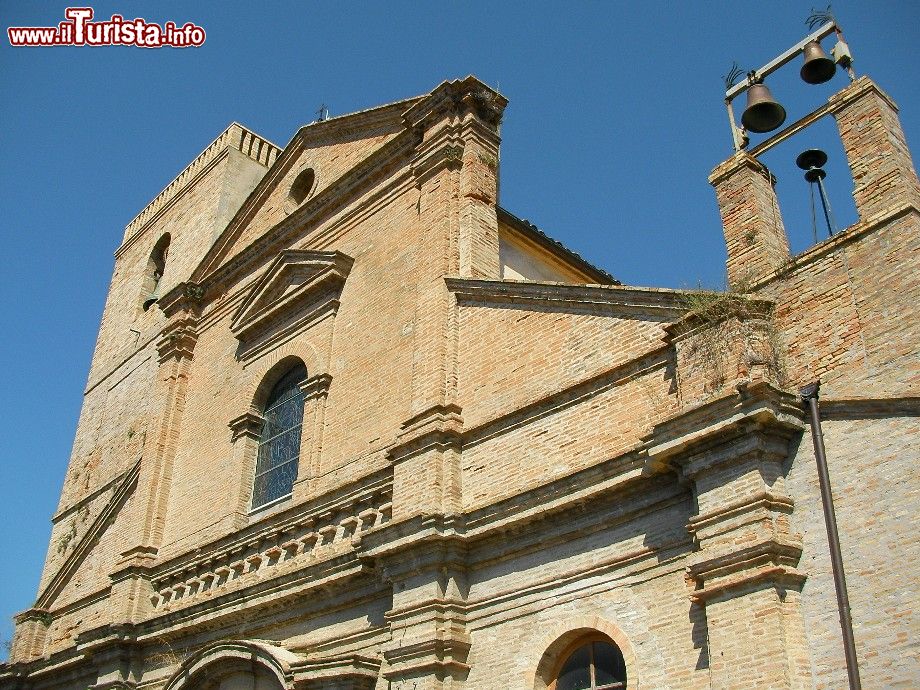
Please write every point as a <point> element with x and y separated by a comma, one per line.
<point>597,665</point>
<point>279,446</point>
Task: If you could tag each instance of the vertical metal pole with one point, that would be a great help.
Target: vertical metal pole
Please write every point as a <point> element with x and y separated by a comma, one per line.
<point>826,204</point>
<point>810,398</point>
<point>736,137</point>
<point>814,219</point>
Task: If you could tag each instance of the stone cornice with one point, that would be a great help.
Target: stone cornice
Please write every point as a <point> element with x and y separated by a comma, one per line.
<point>768,562</point>
<point>728,306</point>
<point>185,296</point>
<point>438,427</point>
<point>316,386</point>
<point>178,339</point>
<point>612,300</point>
<point>446,653</point>
<point>249,425</point>
<point>724,418</point>
<point>330,673</point>
<point>457,96</point>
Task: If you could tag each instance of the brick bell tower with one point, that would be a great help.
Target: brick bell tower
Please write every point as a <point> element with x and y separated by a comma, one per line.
<point>841,311</point>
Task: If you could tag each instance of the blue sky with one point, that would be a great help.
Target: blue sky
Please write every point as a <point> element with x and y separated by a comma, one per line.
<point>614,122</point>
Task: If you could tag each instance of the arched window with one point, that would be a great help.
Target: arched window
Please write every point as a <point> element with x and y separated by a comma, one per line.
<point>595,664</point>
<point>156,265</point>
<point>279,445</point>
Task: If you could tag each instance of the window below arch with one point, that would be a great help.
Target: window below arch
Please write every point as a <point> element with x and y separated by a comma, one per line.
<point>279,443</point>
<point>156,266</point>
<point>595,664</point>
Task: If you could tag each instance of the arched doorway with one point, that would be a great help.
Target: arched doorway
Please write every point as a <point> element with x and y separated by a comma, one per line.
<point>217,678</point>
<point>236,665</point>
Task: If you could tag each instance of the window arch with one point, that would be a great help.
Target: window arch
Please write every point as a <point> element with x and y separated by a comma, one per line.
<point>156,265</point>
<point>279,443</point>
<point>594,663</point>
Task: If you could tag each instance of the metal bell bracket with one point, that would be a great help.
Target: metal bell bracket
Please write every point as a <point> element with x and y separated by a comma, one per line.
<point>732,92</point>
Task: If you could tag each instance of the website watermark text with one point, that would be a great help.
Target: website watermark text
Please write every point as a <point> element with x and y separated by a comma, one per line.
<point>78,29</point>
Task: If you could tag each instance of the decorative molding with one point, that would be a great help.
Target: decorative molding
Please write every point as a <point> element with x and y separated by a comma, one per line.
<point>444,655</point>
<point>256,554</point>
<point>769,563</point>
<point>460,96</point>
<point>120,493</point>
<point>185,297</point>
<point>613,300</point>
<point>347,672</point>
<point>437,427</point>
<point>248,424</point>
<point>731,306</point>
<point>226,655</point>
<point>178,339</point>
<point>697,427</point>
<point>294,279</point>
<point>316,386</point>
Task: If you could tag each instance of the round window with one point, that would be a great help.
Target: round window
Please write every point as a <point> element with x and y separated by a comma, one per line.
<point>301,188</point>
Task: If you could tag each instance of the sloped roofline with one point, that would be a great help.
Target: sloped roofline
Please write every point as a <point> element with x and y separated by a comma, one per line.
<point>315,130</point>
<point>236,136</point>
<point>535,234</point>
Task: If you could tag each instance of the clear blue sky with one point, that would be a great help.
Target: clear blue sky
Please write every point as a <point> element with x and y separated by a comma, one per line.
<point>615,120</point>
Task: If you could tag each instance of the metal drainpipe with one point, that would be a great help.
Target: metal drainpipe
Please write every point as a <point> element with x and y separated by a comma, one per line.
<point>810,398</point>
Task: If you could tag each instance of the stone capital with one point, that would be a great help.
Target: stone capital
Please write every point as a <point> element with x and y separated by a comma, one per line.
<point>178,338</point>
<point>248,425</point>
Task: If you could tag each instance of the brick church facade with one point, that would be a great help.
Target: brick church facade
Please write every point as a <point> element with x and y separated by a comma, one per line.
<point>351,424</point>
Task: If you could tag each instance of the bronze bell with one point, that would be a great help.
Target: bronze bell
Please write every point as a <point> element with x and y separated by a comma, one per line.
<point>763,113</point>
<point>818,67</point>
<point>151,300</point>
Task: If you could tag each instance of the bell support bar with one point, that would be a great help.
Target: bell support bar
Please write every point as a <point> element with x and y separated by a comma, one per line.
<point>769,68</point>
<point>781,60</point>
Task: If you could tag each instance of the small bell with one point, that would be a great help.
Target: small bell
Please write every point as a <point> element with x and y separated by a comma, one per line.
<point>818,67</point>
<point>763,113</point>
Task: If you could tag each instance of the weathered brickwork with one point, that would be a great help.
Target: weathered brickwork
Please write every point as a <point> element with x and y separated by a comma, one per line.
<point>504,454</point>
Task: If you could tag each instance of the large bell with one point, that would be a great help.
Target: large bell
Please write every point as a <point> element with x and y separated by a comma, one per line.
<point>818,67</point>
<point>763,113</point>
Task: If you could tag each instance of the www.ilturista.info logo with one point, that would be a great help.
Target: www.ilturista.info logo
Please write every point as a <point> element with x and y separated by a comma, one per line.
<point>79,30</point>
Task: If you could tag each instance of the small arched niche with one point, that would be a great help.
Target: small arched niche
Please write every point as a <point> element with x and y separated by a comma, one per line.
<point>153,273</point>
<point>301,188</point>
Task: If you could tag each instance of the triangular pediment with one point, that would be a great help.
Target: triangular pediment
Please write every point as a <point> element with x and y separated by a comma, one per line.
<point>295,280</point>
<point>332,149</point>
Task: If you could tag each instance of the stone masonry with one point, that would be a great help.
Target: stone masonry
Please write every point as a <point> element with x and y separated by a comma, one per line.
<point>504,452</point>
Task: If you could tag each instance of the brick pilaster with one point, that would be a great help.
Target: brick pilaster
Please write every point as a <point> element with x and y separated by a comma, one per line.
<point>876,149</point>
<point>755,237</point>
<point>745,569</point>
<point>152,494</point>
<point>430,643</point>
